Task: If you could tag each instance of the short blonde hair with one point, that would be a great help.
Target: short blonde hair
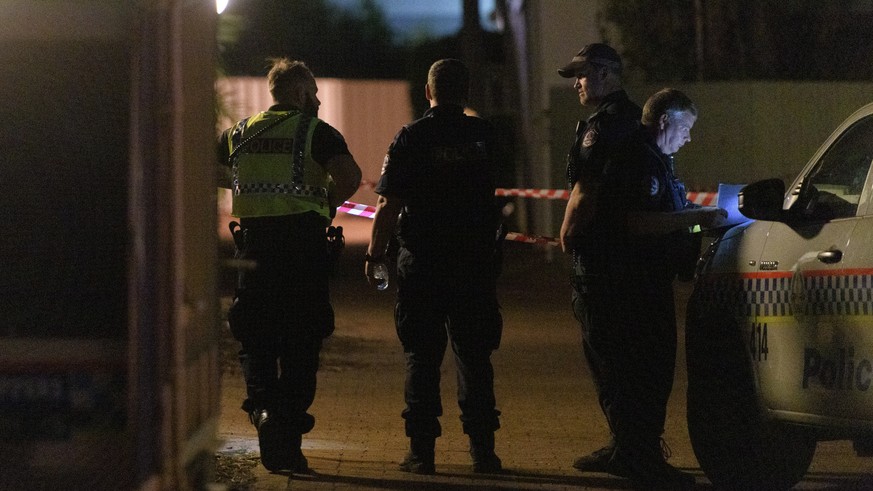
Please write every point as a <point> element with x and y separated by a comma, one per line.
<point>288,78</point>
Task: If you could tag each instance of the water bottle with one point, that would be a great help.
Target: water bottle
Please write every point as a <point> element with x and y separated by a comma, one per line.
<point>380,272</point>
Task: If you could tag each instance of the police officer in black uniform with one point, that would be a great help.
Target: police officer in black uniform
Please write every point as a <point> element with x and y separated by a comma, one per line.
<point>439,178</point>
<point>599,139</point>
<point>626,302</point>
<point>288,172</point>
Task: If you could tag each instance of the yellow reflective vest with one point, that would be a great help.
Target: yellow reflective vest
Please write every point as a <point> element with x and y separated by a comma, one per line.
<point>272,166</point>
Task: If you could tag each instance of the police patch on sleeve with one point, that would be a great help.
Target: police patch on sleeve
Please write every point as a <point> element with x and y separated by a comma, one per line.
<point>655,186</point>
<point>590,138</point>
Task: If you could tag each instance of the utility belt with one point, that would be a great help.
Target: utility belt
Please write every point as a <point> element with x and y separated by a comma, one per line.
<point>298,228</point>
<point>588,269</point>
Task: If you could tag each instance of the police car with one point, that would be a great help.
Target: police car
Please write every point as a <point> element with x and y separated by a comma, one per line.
<point>779,331</point>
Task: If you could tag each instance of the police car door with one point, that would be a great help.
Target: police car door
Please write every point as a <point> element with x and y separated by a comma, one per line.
<point>812,338</point>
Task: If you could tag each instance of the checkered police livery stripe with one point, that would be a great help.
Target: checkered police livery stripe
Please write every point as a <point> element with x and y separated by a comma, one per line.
<point>843,292</point>
<point>267,188</point>
<point>746,295</point>
<point>847,293</point>
<point>768,296</point>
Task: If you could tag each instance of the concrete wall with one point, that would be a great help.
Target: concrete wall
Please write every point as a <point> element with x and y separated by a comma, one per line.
<point>746,131</point>
<point>547,35</point>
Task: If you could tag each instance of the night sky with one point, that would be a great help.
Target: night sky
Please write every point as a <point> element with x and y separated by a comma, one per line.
<point>410,17</point>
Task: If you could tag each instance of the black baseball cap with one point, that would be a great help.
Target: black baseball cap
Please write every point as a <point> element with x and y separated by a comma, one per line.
<point>598,53</point>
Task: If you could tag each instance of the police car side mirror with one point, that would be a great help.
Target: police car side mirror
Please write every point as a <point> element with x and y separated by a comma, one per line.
<point>762,200</point>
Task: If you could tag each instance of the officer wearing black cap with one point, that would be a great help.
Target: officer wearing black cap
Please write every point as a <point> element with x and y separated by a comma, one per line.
<point>599,139</point>
<point>597,71</point>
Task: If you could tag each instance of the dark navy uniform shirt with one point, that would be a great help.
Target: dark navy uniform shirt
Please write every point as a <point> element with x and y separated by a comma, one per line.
<point>444,168</point>
<point>644,180</point>
<point>599,147</point>
<point>598,137</point>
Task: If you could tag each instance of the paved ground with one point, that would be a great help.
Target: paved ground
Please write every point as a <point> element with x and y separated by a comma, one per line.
<point>550,414</point>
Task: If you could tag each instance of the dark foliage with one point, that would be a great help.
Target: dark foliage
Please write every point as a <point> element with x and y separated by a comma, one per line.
<point>333,42</point>
<point>744,39</point>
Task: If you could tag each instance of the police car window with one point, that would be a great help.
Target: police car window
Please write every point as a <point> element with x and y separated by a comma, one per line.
<point>833,188</point>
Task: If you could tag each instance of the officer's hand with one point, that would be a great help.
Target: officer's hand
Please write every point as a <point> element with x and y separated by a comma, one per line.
<point>376,272</point>
<point>712,217</point>
<point>369,270</point>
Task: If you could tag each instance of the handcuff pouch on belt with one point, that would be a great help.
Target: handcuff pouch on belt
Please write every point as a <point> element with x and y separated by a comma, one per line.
<point>336,242</point>
<point>499,239</point>
<point>239,237</point>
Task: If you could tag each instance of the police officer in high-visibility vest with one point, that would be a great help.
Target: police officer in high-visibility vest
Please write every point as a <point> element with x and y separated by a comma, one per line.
<point>288,172</point>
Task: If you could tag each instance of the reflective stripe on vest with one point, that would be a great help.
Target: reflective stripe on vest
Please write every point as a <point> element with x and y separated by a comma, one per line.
<point>274,173</point>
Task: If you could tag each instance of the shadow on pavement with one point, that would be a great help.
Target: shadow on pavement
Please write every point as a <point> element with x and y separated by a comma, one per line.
<point>464,481</point>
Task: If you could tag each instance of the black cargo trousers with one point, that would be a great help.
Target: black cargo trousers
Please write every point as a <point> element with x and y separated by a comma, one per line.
<point>629,341</point>
<point>438,302</point>
<point>281,313</point>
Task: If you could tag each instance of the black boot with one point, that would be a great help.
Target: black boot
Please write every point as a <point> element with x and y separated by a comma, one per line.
<point>275,453</point>
<point>646,466</point>
<point>596,461</point>
<point>485,461</point>
<point>297,463</point>
<point>279,445</point>
<point>420,458</point>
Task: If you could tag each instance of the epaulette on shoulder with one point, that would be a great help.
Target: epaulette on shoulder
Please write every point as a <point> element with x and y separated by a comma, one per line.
<point>614,108</point>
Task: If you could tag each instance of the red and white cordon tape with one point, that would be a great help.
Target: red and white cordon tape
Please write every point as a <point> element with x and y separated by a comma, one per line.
<point>532,239</point>
<point>534,193</point>
<point>357,209</point>
<point>701,198</point>
<point>367,211</point>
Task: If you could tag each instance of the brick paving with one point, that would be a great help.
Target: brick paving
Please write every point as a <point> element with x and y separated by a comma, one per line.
<point>550,414</point>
